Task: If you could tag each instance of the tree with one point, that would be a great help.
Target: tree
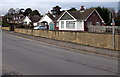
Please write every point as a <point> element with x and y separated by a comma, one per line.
<point>72,9</point>
<point>11,11</point>
<point>21,11</point>
<point>118,14</point>
<point>17,10</point>
<point>105,14</point>
<point>56,10</point>
<point>5,20</point>
<point>35,12</point>
<point>28,12</point>
<point>117,19</point>
<point>9,15</point>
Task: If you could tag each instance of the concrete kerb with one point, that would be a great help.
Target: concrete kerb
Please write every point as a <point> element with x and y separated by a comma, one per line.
<point>69,45</point>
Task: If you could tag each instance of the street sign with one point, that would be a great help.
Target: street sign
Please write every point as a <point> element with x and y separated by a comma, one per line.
<point>113,24</point>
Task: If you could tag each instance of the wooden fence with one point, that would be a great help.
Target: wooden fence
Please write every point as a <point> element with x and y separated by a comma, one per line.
<point>103,29</point>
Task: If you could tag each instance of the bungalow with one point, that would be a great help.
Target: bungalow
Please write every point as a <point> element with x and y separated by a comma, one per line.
<point>16,19</point>
<point>80,20</point>
<point>26,20</point>
<point>47,20</point>
<point>31,19</point>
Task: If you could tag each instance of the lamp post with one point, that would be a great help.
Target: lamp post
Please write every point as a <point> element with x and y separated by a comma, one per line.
<point>113,31</point>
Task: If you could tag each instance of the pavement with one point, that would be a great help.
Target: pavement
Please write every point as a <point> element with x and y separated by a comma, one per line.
<point>69,45</point>
<point>29,57</point>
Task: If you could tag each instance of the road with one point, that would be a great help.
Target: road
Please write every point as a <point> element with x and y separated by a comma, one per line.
<point>29,57</point>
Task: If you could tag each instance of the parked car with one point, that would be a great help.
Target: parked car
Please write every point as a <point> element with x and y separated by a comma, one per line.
<point>40,27</point>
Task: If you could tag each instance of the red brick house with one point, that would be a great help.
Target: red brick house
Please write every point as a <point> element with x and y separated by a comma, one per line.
<point>80,20</point>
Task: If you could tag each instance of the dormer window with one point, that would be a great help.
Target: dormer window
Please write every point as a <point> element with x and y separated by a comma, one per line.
<point>14,18</point>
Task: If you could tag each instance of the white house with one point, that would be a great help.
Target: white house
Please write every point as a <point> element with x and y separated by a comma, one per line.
<point>26,20</point>
<point>46,19</point>
<point>69,22</point>
<point>31,19</point>
<point>79,20</point>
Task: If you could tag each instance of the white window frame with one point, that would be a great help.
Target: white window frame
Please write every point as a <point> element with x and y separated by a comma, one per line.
<point>62,24</point>
<point>70,26</point>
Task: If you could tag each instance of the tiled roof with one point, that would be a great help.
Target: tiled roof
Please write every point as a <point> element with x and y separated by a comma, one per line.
<point>81,15</point>
<point>50,15</point>
<point>17,20</point>
<point>57,17</point>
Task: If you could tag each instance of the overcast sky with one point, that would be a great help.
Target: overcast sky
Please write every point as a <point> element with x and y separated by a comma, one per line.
<point>59,0</point>
<point>43,6</point>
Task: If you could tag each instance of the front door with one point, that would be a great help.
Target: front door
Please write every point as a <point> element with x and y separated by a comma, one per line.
<point>51,26</point>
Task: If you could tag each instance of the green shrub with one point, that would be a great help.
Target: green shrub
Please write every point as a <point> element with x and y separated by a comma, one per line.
<point>5,24</point>
<point>117,22</point>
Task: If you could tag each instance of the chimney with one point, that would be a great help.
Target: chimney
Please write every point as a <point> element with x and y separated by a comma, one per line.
<point>82,9</point>
<point>48,12</point>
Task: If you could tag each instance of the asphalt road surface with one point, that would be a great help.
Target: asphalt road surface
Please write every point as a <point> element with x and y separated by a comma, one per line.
<point>28,57</point>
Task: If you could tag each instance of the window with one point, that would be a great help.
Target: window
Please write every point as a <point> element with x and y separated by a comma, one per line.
<point>62,24</point>
<point>89,23</point>
<point>46,23</point>
<point>57,24</point>
<point>70,24</point>
<point>97,23</point>
<point>14,18</point>
<point>21,17</point>
<point>25,23</point>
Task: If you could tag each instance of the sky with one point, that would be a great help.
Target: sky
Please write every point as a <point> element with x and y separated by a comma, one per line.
<point>43,6</point>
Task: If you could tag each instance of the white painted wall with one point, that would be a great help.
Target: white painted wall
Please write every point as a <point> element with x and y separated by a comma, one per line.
<point>65,25</point>
<point>45,18</point>
<point>79,25</point>
<point>35,24</point>
<point>27,20</point>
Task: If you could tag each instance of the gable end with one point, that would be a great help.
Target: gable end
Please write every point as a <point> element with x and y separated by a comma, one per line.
<point>97,14</point>
<point>66,16</point>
